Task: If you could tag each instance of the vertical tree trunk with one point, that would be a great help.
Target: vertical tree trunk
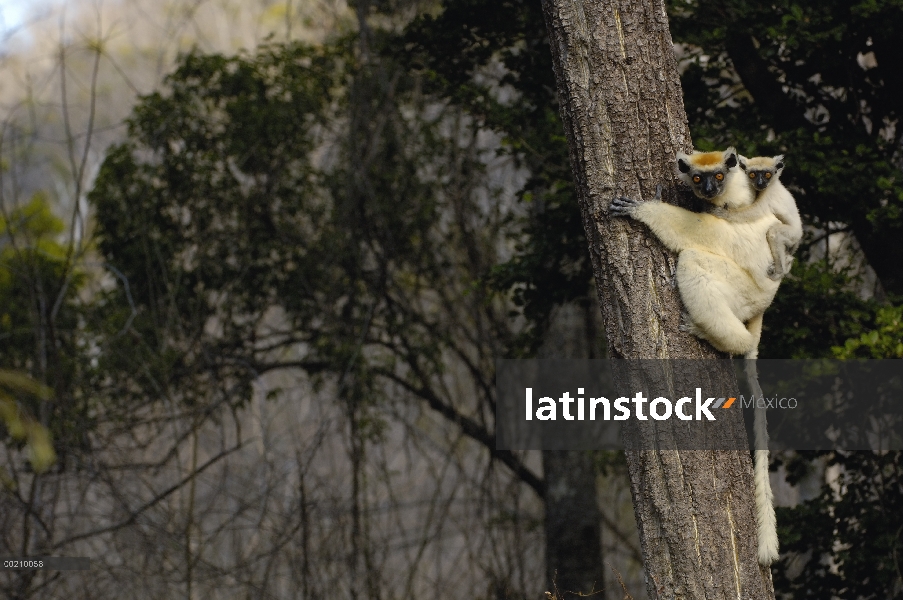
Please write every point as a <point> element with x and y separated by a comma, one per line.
<point>623,112</point>
<point>573,537</point>
<point>574,561</point>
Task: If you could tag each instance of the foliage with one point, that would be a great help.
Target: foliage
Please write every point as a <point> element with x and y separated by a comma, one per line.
<point>38,322</point>
<point>818,82</point>
<point>301,207</point>
<point>816,307</point>
<point>885,341</point>
<point>492,59</point>
<point>212,214</point>
<point>782,77</point>
<point>32,255</point>
<point>851,534</point>
<point>21,426</point>
<point>455,51</point>
<point>305,209</point>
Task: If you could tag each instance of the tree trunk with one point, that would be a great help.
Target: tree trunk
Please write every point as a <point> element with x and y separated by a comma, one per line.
<point>623,113</point>
<point>574,561</point>
<point>573,536</point>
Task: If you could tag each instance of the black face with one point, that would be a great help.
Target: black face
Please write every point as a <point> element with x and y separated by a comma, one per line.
<point>708,184</point>
<point>760,178</point>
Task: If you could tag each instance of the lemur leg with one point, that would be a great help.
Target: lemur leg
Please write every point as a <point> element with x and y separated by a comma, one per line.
<point>780,241</point>
<point>705,298</point>
<point>754,327</point>
<point>776,270</point>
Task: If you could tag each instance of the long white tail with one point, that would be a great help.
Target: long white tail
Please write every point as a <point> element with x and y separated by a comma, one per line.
<point>765,519</point>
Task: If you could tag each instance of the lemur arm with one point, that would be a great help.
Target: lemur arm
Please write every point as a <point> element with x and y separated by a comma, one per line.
<point>784,207</point>
<point>677,228</point>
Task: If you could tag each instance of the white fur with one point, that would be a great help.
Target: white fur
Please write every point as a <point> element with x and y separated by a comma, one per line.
<point>723,278</point>
<point>784,238</point>
<point>721,265</point>
<point>766,522</point>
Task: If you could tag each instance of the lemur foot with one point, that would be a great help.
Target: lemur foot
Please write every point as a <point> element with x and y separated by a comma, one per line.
<point>688,326</point>
<point>774,274</point>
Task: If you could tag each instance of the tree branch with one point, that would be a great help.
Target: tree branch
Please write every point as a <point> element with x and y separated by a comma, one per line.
<point>474,431</point>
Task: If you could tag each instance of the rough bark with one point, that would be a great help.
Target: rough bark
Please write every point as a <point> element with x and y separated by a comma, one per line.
<point>623,113</point>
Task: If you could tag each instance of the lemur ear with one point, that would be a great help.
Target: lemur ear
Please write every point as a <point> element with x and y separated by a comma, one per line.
<point>778,161</point>
<point>683,164</point>
<point>730,157</point>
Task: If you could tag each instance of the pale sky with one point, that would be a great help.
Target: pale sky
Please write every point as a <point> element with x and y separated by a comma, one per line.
<point>12,13</point>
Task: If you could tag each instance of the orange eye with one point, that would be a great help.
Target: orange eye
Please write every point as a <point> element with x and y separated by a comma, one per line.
<point>696,179</point>
<point>767,175</point>
<point>752,175</point>
<point>719,176</point>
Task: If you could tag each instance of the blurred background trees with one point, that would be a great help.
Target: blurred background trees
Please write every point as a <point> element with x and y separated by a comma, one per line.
<point>264,255</point>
